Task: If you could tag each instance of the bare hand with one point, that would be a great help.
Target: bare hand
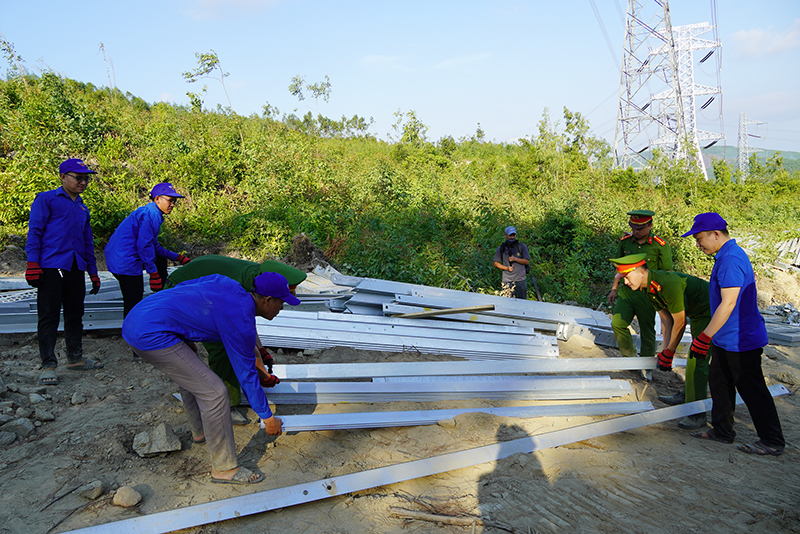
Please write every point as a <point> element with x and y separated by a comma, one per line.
<point>273,426</point>
<point>510,268</point>
<point>612,296</point>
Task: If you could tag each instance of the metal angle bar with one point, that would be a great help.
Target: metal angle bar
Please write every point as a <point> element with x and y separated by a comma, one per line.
<point>462,297</point>
<point>513,310</point>
<point>409,387</point>
<point>360,420</point>
<point>475,367</point>
<point>443,324</point>
<point>450,311</point>
<point>474,318</point>
<point>498,395</point>
<point>254,503</point>
<point>277,336</point>
<point>482,378</point>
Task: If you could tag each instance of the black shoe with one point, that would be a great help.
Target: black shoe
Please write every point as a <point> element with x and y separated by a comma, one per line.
<point>674,400</point>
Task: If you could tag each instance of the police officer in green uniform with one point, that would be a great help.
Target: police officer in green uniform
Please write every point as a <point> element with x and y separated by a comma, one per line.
<point>244,272</point>
<point>676,297</point>
<point>628,303</point>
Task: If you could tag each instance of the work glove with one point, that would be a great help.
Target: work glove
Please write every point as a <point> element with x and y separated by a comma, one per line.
<point>665,360</point>
<point>266,357</point>
<point>183,260</point>
<point>95,284</point>
<point>700,346</point>
<point>156,284</point>
<point>269,381</point>
<point>33,273</point>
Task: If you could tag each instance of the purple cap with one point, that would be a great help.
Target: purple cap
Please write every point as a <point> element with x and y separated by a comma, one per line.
<point>74,165</point>
<point>707,222</point>
<point>164,189</point>
<point>511,230</point>
<point>274,285</point>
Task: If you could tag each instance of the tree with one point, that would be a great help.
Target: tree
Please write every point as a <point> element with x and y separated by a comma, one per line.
<point>208,66</point>
<point>319,89</point>
<point>15,67</point>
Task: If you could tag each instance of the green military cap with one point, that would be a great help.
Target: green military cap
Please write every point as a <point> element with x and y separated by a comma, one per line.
<point>628,263</point>
<point>641,216</point>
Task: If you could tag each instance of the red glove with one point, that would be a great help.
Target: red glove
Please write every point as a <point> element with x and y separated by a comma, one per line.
<point>155,282</point>
<point>183,260</point>
<point>270,381</point>
<point>665,360</point>
<point>266,357</point>
<point>32,274</point>
<point>700,346</point>
<point>95,284</point>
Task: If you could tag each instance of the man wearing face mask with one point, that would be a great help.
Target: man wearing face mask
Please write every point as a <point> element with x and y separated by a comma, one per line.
<point>628,303</point>
<point>134,247</point>
<point>513,259</point>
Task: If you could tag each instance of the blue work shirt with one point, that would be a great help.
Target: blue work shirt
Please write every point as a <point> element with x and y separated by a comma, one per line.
<point>60,232</point>
<point>212,308</point>
<point>745,329</point>
<point>134,245</point>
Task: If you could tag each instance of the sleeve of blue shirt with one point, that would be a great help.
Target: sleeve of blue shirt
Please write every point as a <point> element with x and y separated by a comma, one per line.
<point>238,333</point>
<point>88,240</point>
<point>147,241</point>
<point>40,212</point>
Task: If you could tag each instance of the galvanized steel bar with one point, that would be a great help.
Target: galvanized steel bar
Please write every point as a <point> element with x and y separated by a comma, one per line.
<point>275,499</point>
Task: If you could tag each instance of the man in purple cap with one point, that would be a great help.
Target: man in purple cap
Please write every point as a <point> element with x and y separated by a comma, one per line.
<point>162,328</point>
<point>60,249</point>
<point>736,336</point>
<point>513,259</point>
<point>134,247</point>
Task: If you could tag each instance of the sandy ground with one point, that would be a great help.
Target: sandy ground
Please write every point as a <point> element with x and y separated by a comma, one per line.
<point>655,479</point>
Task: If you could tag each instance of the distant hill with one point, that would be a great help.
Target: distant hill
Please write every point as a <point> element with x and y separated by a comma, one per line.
<point>791,160</point>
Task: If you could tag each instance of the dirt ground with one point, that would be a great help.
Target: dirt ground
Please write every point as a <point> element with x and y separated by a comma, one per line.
<point>655,479</point>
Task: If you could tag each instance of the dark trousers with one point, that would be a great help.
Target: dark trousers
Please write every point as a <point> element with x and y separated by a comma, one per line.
<point>732,371</point>
<point>132,286</point>
<point>59,289</point>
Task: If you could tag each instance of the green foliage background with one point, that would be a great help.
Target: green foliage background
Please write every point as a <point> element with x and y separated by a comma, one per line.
<point>410,210</point>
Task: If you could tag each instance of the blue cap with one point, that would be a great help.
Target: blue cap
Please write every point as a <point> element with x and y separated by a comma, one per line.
<point>274,285</point>
<point>164,189</point>
<point>707,222</point>
<point>74,165</point>
<point>511,230</point>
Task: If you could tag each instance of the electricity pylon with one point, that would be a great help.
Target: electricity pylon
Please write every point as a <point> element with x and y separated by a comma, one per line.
<point>657,88</point>
<point>744,151</point>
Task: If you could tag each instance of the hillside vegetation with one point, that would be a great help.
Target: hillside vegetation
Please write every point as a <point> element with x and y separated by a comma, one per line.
<point>409,210</point>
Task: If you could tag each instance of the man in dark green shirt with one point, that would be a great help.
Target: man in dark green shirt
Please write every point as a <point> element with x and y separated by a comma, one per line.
<point>244,272</point>
<point>629,304</point>
<point>676,297</point>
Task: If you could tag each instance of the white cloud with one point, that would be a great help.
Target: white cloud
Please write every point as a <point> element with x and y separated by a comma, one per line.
<point>208,9</point>
<point>760,42</point>
<point>166,97</point>
<point>454,62</point>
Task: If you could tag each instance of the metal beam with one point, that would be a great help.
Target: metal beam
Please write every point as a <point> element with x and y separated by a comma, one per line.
<point>350,421</point>
<point>315,371</point>
<point>275,499</point>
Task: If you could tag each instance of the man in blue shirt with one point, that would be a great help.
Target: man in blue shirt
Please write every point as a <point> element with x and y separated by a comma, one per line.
<point>739,336</point>
<point>60,248</point>
<point>161,329</point>
<point>134,246</point>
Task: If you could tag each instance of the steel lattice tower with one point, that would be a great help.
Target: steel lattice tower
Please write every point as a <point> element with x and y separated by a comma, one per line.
<point>657,88</point>
<point>744,151</point>
<point>687,41</point>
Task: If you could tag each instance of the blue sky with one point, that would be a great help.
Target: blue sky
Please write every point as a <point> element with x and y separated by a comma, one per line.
<point>499,63</point>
